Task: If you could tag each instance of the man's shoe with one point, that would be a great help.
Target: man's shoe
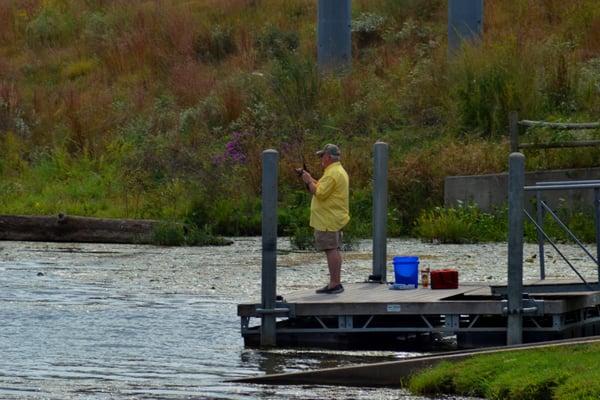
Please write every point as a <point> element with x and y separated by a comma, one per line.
<point>334,290</point>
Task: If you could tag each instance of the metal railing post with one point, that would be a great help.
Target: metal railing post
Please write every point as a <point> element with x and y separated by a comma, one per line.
<point>380,200</point>
<point>516,201</point>
<point>540,235</point>
<point>597,216</point>
<point>268,331</point>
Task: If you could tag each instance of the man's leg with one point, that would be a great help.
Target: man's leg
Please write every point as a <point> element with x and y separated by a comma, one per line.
<point>334,263</point>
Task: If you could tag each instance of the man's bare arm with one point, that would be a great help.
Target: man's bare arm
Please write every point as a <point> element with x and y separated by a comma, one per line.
<point>311,183</point>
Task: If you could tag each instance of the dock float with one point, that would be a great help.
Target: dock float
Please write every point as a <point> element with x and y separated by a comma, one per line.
<point>370,316</point>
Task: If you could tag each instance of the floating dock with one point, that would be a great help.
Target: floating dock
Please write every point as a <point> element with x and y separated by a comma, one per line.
<point>370,316</point>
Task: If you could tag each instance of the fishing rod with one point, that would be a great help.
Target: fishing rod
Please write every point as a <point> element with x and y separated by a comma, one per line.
<point>299,171</point>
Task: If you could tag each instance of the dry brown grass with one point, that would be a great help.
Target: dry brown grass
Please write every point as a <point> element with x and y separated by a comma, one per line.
<point>6,21</point>
<point>191,81</point>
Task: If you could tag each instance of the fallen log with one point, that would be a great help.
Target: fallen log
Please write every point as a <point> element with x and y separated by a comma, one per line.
<point>66,228</point>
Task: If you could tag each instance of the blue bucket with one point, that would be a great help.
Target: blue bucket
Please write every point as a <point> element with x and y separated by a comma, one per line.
<point>406,270</point>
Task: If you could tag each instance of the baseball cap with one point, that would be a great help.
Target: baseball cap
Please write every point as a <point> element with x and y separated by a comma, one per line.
<point>330,149</point>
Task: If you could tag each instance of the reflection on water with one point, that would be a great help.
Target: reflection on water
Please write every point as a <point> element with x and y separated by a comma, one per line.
<point>123,321</point>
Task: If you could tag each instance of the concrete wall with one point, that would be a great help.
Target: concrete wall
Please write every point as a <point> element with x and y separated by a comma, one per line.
<point>490,191</point>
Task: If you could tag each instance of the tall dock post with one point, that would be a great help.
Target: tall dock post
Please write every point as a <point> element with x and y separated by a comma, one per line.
<point>465,22</point>
<point>380,200</point>
<point>269,247</point>
<point>597,224</point>
<point>334,36</point>
<point>516,201</point>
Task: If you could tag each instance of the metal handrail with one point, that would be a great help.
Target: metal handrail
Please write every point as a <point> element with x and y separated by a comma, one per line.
<point>562,187</point>
<point>567,182</point>
<point>555,247</point>
<point>566,229</point>
<point>543,207</point>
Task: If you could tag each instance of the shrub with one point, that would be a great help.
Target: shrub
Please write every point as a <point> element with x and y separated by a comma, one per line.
<point>215,45</point>
<point>79,68</point>
<point>468,224</point>
<point>177,234</point>
<point>368,28</point>
<point>295,83</point>
<point>447,225</point>
<point>275,43</point>
<point>302,237</point>
<point>97,29</point>
<point>227,216</point>
<point>50,27</point>
<point>589,85</point>
<point>12,115</point>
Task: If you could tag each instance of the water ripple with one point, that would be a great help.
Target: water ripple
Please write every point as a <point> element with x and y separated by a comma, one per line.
<point>104,321</point>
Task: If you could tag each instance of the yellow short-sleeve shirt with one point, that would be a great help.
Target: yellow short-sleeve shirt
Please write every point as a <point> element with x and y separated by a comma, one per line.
<point>329,208</point>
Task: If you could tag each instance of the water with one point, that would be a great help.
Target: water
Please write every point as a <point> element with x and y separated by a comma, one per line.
<point>100,321</point>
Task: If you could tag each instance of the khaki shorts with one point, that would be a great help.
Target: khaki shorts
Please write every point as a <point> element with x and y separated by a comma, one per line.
<point>328,240</point>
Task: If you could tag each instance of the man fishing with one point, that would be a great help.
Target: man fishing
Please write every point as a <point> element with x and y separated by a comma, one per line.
<point>329,212</point>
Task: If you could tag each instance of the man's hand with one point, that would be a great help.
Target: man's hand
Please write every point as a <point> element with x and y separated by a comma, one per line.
<point>306,177</point>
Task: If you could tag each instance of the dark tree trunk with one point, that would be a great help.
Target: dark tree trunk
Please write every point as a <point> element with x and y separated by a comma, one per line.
<point>63,228</point>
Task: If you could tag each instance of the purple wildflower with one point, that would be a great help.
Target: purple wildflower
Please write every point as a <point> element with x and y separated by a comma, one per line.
<point>234,150</point>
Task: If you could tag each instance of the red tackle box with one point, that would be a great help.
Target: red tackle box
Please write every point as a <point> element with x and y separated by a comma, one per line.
<point>444,279</point>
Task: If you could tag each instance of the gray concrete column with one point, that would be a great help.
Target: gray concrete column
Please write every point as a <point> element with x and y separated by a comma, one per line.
<point>269,246</point>
<point>516,201</point>
<point>465,22</point>
<point>334,36</point>
<point>380,201</point>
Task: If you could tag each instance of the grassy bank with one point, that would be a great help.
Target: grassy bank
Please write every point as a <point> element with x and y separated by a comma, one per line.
<point>161,109</point>
<point>561,373</point>
<point>468,224</point>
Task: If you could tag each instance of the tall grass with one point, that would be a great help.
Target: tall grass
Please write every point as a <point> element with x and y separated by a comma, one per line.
<point>128,108</point>
<point>467,224</point>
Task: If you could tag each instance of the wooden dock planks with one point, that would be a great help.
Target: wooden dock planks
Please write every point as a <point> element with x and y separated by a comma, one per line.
<point>374,299</point>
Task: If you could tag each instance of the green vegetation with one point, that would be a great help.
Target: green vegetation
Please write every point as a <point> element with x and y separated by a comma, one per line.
<point>176,234</point>
<point>561,373</point>
<point>468,224</point>
<point>162,109</point>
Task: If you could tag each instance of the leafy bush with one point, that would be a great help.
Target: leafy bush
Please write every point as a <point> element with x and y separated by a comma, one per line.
<point>12,115</point>
<point>589,85</point>
<point>275,43</point>
<point>368,28</point>
<point>177,234</point>
<point>448,225</point>
<point>97,30</point>
<point>295,83</point>
<point>216,44</point>
<point>79,68</point>
<point>483,99</point>
<point>50,27</point>
<point>468,224</point>
<point>302,237</point>
<point>227,216</point>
